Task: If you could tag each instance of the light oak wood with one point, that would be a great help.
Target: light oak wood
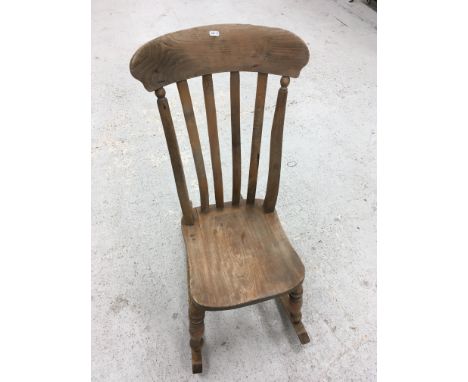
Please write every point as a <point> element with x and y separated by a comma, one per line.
<point>193,52</point>
<point>237,252</point>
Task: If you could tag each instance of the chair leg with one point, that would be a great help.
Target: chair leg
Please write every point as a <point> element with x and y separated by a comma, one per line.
<point>293,306</point>
<point>196,329</point>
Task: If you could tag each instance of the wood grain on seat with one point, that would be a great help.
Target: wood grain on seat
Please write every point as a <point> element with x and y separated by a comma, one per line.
<point>238,256</point>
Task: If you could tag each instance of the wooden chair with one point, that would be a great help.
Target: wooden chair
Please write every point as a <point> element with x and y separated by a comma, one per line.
<point>237,252</point>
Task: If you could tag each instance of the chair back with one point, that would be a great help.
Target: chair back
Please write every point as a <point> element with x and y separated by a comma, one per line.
<point>203,51</point>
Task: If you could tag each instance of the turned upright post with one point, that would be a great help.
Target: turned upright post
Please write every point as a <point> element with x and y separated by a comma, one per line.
<point>276,147</point>
<point>174,154</point>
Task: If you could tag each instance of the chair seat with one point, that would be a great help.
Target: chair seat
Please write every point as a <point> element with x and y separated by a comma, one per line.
<point>238,256</point>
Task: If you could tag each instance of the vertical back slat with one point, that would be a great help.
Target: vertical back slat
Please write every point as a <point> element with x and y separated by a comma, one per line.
<point>192,130</point>
<point>174,154</point>
<point>256,136</point>
<point>213,137</point>
<point>236,139</point>
<point>276,145</point>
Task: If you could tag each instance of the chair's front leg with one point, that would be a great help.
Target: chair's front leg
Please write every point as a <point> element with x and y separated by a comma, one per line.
<point>196,329</point>
<point>293,304</point>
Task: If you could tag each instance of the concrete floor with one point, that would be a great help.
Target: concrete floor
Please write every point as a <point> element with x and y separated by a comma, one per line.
<point>327,200</point>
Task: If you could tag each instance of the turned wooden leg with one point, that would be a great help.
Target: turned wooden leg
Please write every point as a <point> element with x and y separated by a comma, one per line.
<point>196,329</point>
<point>293,306</point>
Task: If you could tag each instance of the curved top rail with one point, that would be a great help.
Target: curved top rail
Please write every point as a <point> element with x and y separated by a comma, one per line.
<point>218,48</point>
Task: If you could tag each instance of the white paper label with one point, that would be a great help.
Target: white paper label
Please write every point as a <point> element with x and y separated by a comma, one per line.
<point>214,33</point>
